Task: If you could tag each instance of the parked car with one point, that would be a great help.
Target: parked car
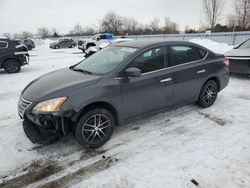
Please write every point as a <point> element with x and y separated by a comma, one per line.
<point>29,43</point>
<point>13,55</point>
<point>239,58</point>
<point>63,43</point>
<point>93,49</point>
<point>95,41</point>
<point>120,83</point>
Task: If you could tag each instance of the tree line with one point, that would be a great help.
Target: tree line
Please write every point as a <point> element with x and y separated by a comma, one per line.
<point>213,10</point>
<point>238,20</point>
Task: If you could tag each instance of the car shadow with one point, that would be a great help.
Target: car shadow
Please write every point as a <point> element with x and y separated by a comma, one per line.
<point>240,76</point>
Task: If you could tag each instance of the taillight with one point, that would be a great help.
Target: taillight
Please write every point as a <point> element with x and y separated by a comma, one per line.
<point>226,61</point>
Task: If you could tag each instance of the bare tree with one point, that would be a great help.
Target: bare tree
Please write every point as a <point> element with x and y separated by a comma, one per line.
<point>154,26</point>
<point>26,34</point>
<point>213,10</point>
<point>242,10</point>
<point>111,22</point>
<point>43,32</point>
<point>7,35</point>
<point>130,25</point>
<point>169,27</point>
<point>89,31</point>
<point>231,21</point>
<point>77,30</point>
<point>54,32</point>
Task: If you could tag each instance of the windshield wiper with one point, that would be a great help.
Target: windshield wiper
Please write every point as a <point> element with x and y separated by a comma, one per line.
<point>81,70</point>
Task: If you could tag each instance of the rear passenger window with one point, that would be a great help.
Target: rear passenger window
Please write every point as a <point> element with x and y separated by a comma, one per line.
<point>3,44</point>
<point>181,54</point>
<point>151,60</point>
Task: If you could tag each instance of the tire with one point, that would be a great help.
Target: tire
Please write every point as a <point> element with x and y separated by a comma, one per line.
<point>56,47</point>
<point>94,128</point>
<point>208,94</point>
<point>29,48</point>
<point>11,66</point>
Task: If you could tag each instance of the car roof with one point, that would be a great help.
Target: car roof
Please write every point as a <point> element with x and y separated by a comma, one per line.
<point>149,43</point>
<point>4,39</point>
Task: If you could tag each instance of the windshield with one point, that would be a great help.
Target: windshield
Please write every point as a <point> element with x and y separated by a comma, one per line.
<point>245,45</point>
<point>105,60</point>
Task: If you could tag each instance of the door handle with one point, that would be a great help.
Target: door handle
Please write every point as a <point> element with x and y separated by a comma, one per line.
<point>166,80</point>
<point>201,71</point>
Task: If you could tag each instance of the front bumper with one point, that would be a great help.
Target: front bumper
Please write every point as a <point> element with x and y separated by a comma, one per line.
<point>23,57</point>
<point>58,122</point>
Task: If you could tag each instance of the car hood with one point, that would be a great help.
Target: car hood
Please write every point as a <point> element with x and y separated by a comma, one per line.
<point>238,53</point>
<point>57,84</point>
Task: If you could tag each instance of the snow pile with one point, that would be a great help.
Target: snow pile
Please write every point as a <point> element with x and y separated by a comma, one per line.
<point>216,47</point>
<point>38,42</point>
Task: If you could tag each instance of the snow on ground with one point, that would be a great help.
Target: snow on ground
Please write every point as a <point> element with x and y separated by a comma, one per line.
<point>165,150</point>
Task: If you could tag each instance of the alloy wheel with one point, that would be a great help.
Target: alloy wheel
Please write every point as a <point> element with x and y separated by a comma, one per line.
<point>210,94</point>
<point>96,129</point>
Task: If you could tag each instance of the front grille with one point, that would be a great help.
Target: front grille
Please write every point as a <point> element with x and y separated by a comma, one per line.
<point>23,104</point>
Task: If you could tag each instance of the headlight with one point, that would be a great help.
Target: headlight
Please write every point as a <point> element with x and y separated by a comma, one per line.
<point>52,105</point>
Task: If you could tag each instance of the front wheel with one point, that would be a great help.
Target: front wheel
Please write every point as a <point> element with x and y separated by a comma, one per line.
<point>94,128</point>
<point>208,94</point>
<point>12,66</point>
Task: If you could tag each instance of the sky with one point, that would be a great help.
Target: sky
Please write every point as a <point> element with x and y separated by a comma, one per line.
<point>27,15</point>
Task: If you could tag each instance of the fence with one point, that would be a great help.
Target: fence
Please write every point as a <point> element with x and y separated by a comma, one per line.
<point>232,38</point>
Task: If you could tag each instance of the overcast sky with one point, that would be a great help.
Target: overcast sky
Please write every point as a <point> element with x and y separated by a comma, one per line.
<point>27,15</point>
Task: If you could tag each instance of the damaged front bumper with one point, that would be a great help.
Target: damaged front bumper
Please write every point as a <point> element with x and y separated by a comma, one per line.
<point>42,128</point>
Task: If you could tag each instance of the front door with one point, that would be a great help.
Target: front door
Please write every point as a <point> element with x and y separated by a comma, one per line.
<point>153,90</point>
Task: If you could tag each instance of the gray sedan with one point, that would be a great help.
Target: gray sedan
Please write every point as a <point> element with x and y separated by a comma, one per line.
<point>63,43</point>
<point>118,84</point>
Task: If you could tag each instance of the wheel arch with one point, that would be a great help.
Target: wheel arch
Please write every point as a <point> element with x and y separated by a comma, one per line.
<point>6,59</point>
<point>216,79</point>
<point>97,104</point>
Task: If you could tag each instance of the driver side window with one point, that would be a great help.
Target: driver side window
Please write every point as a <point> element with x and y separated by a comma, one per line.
<point>151,60</point>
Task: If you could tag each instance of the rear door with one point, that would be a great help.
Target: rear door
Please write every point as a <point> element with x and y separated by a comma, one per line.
<point>3,48</point>
<point>63,43</point>
<point>189,71</point>
<point>153,90</point>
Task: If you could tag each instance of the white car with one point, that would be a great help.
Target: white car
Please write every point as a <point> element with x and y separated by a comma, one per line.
<point>96,40</point>
<point>93,49</point>
<point>239,58</point>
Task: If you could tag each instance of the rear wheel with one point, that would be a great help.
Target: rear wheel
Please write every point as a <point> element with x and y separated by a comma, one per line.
<point>208,94</point>
<point>95,128</point>
<point>12,66</point>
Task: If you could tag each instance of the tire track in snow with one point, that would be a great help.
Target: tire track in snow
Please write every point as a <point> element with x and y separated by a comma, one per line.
<point>40,175</point>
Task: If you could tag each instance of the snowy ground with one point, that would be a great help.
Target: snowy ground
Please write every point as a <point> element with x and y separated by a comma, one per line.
<point>211,145</point>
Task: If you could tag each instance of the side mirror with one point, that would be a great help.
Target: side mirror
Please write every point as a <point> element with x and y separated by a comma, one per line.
<point>133,72</point>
